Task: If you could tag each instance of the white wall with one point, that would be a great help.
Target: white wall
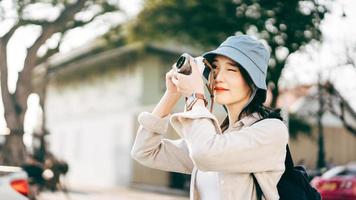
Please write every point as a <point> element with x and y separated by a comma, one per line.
<point>91,126</point>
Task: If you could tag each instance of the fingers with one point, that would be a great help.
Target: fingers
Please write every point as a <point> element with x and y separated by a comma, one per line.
<point>174,66</point>
<point>194,65</point>
<point>192,62</point>
<point>171,72</point>
<point>176,75</point>
<point>175,81</point>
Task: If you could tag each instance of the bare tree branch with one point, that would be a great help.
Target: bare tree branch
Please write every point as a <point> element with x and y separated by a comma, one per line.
<point>350,59</point>
<point>342,105</point>
<point>69,12</point>
<point>342,119</point>
<point>23,86</point>
<point>34,22</point>
<point>50,52</point>
<point>70,26</point>
<point>8,35</point>
<point>47,31</point>
<point>83,23</point>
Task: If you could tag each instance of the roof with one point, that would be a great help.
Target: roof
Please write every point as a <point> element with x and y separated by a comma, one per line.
<point>303,100</point>
<point>287,97</point>
<point>94,54</point>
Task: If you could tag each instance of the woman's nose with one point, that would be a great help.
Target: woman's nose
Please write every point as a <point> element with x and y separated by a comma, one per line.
<point>218,75</point>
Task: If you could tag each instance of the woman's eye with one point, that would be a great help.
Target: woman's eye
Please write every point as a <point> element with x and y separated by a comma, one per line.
<point>232,70</point>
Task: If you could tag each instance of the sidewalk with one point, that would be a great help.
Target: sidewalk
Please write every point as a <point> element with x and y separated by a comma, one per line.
<point>109,194</point>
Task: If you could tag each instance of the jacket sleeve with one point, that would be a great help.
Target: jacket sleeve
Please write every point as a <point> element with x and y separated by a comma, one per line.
<point>260,147</point>
<point>152,150</point>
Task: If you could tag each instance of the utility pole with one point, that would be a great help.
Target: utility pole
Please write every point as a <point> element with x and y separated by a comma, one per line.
<point>321,151</point>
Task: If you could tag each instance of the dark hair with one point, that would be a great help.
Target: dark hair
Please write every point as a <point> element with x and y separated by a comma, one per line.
<point>256,105</point>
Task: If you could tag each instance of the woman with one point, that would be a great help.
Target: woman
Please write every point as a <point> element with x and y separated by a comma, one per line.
<point>222,159</point>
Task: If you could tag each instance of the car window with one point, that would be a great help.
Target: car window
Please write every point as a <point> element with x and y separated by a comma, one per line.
<point>348,172</point>
<point>333,172</point>
<point>339,171</point>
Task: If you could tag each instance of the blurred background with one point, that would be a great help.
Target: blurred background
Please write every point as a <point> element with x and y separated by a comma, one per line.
<point>76,74</point>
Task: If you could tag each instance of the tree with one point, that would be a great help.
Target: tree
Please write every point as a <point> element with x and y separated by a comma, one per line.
<point>339,107</point>
<point>285,26</point>
<point>15,104</point>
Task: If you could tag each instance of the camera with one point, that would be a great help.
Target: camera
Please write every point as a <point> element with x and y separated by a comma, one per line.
<point>183,65</point>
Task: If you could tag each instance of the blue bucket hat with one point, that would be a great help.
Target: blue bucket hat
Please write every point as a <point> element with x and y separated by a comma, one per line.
<point>251,54</point>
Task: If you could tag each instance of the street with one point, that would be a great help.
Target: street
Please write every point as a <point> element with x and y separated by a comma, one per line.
<point>109,194</point>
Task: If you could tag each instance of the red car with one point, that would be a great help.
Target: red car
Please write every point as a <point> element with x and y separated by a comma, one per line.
<point>13,183</point>
<point>338,183</point>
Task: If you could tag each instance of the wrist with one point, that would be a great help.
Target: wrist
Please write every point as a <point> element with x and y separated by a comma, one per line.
<point>175,95</point>
<point>194,100</point>
<point>166,104</point>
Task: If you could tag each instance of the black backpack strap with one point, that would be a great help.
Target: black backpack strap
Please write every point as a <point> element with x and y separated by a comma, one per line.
<point>289,166</point>
<point>258,188</point>
<point>288,163</point>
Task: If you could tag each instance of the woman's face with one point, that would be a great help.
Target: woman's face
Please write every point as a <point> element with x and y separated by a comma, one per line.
<point>230,86</point>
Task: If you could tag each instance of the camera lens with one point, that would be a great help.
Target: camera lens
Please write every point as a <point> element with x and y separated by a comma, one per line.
<point>180,62</point>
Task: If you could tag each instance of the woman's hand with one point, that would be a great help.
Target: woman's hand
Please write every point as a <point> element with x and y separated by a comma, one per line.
<point>171,88</point>
<point>187,84</point>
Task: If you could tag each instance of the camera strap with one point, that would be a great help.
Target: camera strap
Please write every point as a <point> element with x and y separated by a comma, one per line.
<point>210,84</point>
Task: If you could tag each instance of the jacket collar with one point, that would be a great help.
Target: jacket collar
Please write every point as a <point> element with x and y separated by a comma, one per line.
<point>247,120</point>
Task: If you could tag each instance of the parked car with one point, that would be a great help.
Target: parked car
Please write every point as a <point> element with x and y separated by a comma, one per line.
<point>338,183</point>
<point>13,183</point>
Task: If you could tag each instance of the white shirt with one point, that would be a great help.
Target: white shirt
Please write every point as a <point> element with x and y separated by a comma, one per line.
<point>207,185</point>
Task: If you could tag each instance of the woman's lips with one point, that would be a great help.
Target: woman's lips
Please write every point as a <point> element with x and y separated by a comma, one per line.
<point>218,89</point>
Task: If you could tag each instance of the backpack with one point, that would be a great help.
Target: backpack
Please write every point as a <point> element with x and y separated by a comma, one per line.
<point>294,183</point>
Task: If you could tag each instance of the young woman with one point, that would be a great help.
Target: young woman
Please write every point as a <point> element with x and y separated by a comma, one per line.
<point>222,159</point>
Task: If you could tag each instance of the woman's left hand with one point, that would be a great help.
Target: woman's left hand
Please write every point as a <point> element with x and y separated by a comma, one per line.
<point>187,84</point>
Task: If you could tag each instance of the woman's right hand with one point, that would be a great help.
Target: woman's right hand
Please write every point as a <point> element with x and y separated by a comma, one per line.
<point>171,88</point>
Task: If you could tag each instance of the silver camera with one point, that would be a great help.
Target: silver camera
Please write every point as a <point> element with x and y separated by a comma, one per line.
<point>184,67</point>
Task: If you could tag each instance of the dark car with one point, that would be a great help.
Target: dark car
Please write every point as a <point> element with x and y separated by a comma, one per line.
<point>338,183</point>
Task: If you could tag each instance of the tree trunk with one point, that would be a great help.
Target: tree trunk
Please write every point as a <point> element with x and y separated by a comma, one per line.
<point>14,151</point>
<point>15,105</point>
<point>275,76</point>
<point>275,94</point>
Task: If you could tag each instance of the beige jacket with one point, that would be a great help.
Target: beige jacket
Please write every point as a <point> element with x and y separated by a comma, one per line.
<point>239,151</point>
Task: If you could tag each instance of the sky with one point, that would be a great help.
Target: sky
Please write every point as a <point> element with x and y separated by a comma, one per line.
<point>301,68</point>
<point>327,59</point>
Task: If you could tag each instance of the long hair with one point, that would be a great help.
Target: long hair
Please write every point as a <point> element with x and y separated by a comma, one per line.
<point>255,105</point>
